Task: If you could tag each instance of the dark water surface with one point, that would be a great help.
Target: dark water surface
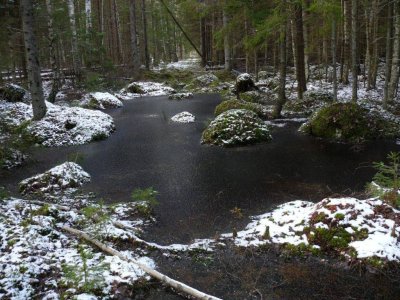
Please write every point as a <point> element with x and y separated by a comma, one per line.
<point>199,185</point>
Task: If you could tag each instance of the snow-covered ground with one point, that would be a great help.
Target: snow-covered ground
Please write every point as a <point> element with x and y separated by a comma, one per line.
<point>357,229</point>
<point>62,126</point>
<point>183,117</point>
<point>101,100</point>
<point>141,89</point>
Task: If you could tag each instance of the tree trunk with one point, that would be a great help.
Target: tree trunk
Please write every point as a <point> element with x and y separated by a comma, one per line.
<point>282,73</point>
<point>334,73</point>
<point>227,49</point>
<point>32,58</point>
<point>346,25</point>
<point>88,15</point>
<point>388,60</point>
<point>134,42</point>
<point>394,77</point>
<point>300,70</point>
<point>146,46</point>
<point>306,43</point>
<point>53,58</point>
<point>75,55</point>
<point>354,32</point>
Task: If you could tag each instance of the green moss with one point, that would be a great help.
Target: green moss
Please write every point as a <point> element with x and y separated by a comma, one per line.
<point>329,239</point>
<point>236,127</point>
<point>339,216</point>
<point>12,93</point>
<point>301,250</point>
<point>236,104</point>
<point>349,122</point>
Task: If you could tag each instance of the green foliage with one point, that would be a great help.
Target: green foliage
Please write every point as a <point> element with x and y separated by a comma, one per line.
<point>3,193</point>
<point>84,277</point>
<point>388,180</point>
<point>93,81</point>
<point>98,216</point>
<point>147,200</point>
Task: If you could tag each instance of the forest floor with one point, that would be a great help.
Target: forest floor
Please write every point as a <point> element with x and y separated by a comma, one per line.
<point>298,240</point>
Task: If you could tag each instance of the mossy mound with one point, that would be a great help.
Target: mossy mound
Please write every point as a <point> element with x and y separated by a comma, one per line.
<point>318,95</point>
<point>261,111</point>
<point>236,127</point>
<point>302,108</point>
<point>349,122</point>
<point>134,89</point>
<point>12,93</point>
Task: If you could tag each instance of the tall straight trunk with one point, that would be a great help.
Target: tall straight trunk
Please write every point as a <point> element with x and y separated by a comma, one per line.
<point>203,41</point>
<point>146,46</point>
<point>388,60</point>
<point>53,57</point>
<point>334,73</point>
<point>373,68</point>
<point>102,29</point>
<point>74,41</point>
<point>134,42</point>
<point>88,16</point>
<point>394,76</point>
<point>293,44</point>
<point>118,32</point>
<point>32,59</point>
<point>346,25</point>
<point>354,32</point>
<point>300,68</point>
<point>306,42</point>
<point>227,49</point>
<point>282,73</point>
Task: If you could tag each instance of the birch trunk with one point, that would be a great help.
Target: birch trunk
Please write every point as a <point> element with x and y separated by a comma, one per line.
<point>53,58</point>
<point>74,42</point>
<point>282,73</point>
<point>346,57</point>
<point>32,58</point>
<point>334,73</point>
<point>88,15</point>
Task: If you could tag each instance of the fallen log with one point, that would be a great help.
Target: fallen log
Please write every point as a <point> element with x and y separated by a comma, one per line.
<point>177,285</point>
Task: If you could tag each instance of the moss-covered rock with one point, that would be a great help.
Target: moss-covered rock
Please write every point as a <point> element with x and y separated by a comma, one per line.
<point>262,111</point>
<point>134,89</point>
<point>349,122</point>
<point>318,95</point>
<point>13,93</point>
<point>236,127</point>
<point>244,83</point>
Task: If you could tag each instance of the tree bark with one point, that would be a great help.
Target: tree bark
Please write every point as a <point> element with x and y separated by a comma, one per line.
<point>346,58</point>
<point>75,54</point>
<point>388,59</point>
<point>354,32</point>
<point>227,48</point>
<point>394,76</point>
<point>282,73</point>
<point>88,15</point>
<point>134,42</point>
<point>334,73</point>
<point>300,68</point>
<point>32,58</point>
<point>146,46</point>
<point>53,57</point>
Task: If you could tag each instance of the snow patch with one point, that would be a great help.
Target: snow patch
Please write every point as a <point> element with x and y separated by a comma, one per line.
<point>183,117</point>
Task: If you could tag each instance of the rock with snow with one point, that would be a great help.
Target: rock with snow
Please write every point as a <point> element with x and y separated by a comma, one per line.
<point>140,89</point>
<point>318,95</point>
<point>13,93</point>
<point>12,158</point>
<point>244,83</point>
<point>183,117</point>
<point>236,127</point>
<point>62,126</point>
<point>100,100</point>
<point>350,122</point>
<point>356,229</point>
<point>180,96</point>
<point>65,176</point>
<point>206,79</point>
